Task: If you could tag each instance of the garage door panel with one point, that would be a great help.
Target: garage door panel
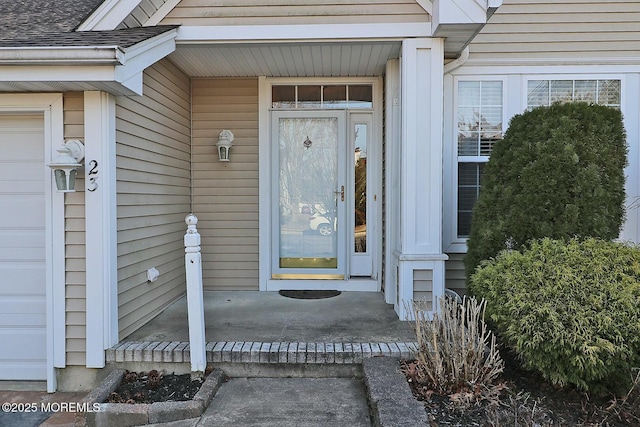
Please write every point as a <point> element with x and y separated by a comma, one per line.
<point>25,238</point>
<point>22,248</point>
<point>23,306</point>
<point>21,211</point>
<point>34,320</point>
<point>30,169</point>
<point>8,187</point>
<point>22,280</point>
<point>28,339</point>
<point>30,363</point>
<point>29,146</point>
<point>19,370</point>
<point>21,254</point>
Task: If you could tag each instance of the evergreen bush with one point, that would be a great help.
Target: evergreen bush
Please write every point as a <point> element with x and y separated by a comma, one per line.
<point>558,173</point>
<point>569,309</point>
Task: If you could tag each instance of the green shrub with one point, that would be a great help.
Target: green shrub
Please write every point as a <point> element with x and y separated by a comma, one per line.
<point>569,309</point>
<point>558,173</point>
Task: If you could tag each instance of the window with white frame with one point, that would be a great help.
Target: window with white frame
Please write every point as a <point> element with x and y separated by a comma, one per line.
<point>479,126</point>
<point>546,92</point>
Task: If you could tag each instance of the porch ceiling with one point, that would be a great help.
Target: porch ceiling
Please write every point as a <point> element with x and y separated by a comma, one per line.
<point>285,59</point>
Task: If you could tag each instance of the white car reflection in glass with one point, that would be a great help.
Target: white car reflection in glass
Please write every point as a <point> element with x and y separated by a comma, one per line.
<point>322,223</point>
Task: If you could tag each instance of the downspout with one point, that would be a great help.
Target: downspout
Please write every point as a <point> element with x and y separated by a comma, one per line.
<point>458,62</point>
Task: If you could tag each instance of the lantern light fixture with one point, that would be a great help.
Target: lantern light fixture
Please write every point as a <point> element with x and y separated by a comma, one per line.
<point>225,141</point>
<point>66,164</point>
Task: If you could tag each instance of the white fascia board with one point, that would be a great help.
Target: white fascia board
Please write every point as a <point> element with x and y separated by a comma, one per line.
<point>161,13</point>
<point>61,55</point>
<point>319,32</point>
<point>109,15</point>
<point>144,54</point>
<point>48,73</point>
<point>427,5</point>
<point>458,12</point>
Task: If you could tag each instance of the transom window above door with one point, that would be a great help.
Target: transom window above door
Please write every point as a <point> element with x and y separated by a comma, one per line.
<point>285,97</point>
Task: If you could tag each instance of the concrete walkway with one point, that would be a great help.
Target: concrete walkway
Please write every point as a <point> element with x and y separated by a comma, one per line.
<point>284,402</point>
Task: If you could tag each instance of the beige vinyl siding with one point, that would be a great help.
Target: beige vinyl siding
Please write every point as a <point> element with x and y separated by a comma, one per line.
<point>226,193</point>
<point>75,277</point>
<point>153,183</point>
<point>560,29</point>
<point>423,287</point>
<point>454,277</point>
<point>279,12</point>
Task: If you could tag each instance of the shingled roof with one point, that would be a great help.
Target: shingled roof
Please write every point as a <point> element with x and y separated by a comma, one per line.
<point>42,23</point>
<point>23,19</point>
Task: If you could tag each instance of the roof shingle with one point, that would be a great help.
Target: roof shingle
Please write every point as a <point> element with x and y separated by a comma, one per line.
<point>44,23</point>
<point>22,19</point>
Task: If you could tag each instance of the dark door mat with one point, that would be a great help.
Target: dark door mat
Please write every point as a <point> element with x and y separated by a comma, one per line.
<point>309,294</point>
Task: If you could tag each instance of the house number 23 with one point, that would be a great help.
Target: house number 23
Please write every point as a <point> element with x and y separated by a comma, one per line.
<point>93,176</point>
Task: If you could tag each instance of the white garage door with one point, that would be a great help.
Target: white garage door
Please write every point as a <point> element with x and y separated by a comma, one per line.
<point>22,248</point>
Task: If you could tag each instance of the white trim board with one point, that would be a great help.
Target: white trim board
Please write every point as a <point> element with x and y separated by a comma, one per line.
<point>100,226</point>
<point>109,15</point>
<point>298,33</point>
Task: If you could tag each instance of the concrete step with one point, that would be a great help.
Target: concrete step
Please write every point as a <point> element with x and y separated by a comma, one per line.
<point>260,352</point>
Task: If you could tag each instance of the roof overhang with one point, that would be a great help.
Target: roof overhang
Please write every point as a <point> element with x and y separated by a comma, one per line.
<point>458,21</point>
<point>70,68</point>
<point>292,50</point>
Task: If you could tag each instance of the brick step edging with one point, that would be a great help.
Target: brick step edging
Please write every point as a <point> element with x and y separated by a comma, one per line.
<point>260,352</point>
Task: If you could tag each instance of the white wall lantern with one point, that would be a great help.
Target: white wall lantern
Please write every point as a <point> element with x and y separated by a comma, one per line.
<point>225,141</point>
<point>65,165</point>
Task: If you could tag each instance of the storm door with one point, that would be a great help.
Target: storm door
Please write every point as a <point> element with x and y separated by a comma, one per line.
<point>309,199</point>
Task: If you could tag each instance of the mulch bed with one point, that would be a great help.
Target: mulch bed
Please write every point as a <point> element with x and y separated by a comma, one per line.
<point>154,386</point>
<point>523,398</point>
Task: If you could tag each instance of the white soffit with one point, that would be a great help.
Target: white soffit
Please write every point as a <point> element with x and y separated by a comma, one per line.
<point>285,59</point>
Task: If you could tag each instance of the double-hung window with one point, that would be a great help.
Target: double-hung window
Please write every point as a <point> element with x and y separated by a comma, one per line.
<point>481,123</point>
<point>479,126</point>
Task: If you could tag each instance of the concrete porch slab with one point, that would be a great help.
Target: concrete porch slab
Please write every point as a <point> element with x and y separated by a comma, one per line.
<point>252,316</point>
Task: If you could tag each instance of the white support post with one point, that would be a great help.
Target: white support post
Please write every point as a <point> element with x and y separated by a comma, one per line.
<point>195,298</point>
<point>100,226</point>
<point>419,244</point>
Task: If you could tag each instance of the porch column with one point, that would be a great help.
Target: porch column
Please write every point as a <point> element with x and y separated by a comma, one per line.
<point>100,226</point>
<point>419,257</point>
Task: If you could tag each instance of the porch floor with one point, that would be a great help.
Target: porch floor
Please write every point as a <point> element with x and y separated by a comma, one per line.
<point>252,316</point>
<point>265,327</point>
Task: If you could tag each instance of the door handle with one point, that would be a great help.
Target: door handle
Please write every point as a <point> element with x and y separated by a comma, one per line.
<point>340,192</point>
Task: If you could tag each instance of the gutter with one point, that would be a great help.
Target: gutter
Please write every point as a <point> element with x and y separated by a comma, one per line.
<point>458,62</point>
<point>67,55</point>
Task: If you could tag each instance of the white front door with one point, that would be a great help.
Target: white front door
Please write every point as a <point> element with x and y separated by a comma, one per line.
<point>23,349</point>
<point>309,195</point>
<point>323,199</point>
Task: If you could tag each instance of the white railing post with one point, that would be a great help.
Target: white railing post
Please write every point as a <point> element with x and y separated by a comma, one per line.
<point>195,298</point>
